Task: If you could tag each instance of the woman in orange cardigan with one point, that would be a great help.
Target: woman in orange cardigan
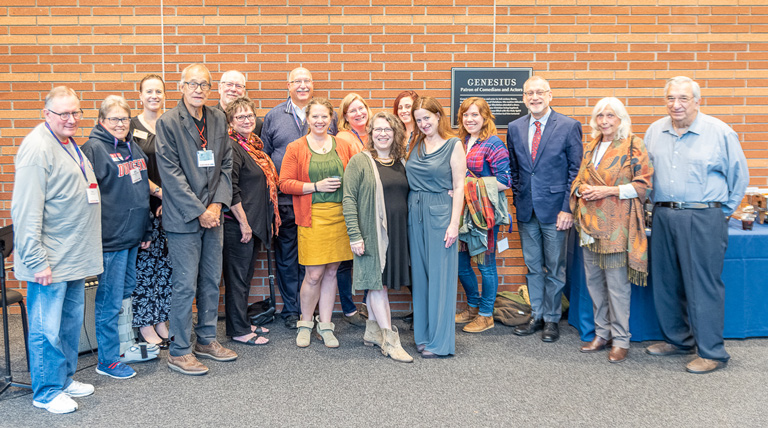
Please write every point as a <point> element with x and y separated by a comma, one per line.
<point>311,171</point>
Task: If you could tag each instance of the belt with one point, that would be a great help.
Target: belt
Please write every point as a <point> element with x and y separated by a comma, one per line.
<point>689,205</point>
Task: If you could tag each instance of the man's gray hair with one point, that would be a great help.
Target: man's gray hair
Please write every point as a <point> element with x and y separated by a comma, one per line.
<point>190,67</point>
<point>679,80</point>
<point>59,92</point>
<point>229,74</point>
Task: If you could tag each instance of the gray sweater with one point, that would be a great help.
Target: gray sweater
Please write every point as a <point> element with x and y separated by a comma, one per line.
<point>54,225</point>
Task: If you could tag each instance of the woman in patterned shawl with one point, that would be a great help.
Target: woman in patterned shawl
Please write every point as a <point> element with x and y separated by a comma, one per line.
<point>607,202</point>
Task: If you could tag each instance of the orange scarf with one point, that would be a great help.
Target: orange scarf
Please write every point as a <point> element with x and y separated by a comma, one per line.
<point>254,147</point>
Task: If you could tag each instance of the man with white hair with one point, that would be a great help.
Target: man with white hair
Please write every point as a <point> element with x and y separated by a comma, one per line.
<point>231,87</point>
<point>700,176</point>
<point>56,214</point>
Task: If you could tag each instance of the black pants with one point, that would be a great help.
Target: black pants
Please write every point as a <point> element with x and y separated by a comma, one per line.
<point>289,272</point>
<point>238,264</point>
<point>687,253</point>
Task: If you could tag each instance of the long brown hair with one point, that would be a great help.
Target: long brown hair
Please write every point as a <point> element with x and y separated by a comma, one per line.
<point>433,106</point>
<point>489,126</point>
<point>397,151</point>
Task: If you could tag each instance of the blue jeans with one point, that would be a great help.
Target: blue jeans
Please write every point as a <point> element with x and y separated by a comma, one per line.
<point>544,250</point>
<point>55,317</point>
<point>344,281</point>
<point>115,284</point>
<point>490,280</point>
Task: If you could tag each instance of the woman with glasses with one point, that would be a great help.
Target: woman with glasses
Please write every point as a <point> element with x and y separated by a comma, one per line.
<point>252,220</point>
<point>376,213</point>
<point>120,167</point>
<point>402,109</point>
<point>436,168</point>
<point>152,295</point>
<point>311,171</point>
<point>487,156</point>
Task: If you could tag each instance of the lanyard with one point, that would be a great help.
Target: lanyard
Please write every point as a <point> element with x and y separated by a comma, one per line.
<point>127,143</point>
<point>77,150</point>
<point>358,136</point>
<point>295,117</point>
<point>201,131</point>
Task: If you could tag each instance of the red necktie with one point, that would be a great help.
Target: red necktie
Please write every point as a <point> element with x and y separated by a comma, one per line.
<point>536,140</point>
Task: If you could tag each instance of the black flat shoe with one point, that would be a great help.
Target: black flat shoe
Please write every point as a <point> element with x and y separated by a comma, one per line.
<point>529,328</point>
<point>551,332</point>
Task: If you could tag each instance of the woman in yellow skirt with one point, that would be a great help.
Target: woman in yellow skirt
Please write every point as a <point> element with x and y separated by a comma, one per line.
<point>312,172</point>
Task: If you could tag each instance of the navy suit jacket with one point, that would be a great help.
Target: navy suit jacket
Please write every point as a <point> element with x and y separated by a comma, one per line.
<point>544,186</point>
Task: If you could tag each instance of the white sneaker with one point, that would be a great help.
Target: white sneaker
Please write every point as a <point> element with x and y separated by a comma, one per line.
<point>60,404</point>
<point>78,389</point>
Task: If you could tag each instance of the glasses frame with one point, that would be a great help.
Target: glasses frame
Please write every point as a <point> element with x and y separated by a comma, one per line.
<point>205,86</point>
<point>67,114</point>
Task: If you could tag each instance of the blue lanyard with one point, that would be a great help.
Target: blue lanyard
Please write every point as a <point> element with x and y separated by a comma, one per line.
<point>77,150</point>
<point>358,136</point>
<point>127,143</point>
<point>295,117</point>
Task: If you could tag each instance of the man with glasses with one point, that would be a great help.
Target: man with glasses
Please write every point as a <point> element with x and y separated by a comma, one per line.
<point>284,124</point>
<point>195,163</point>
<point>545,152</point>
<point>231,87</point>
<point>700,175</point>
<point>56,214</point>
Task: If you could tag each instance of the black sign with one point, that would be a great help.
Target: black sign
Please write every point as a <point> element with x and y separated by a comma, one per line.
<point>502,89</point>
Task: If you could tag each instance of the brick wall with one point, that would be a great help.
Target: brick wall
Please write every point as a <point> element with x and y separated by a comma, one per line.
<point>587,49</point>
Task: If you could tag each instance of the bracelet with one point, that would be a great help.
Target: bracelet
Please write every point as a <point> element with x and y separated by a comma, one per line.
<point>315,186</point>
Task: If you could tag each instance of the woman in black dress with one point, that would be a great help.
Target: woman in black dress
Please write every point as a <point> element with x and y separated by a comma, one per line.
<point>152,295</point>
<point>376,213</point>
<point>253,218</point>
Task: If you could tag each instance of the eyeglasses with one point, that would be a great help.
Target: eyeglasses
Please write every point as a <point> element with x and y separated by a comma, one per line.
<point>115,120</point>
<point>66,115</point>
<point>682,100</point>
<point>539,93</point>
<point>230,85</point>
<point>194,85</point>
<point>300,81</point>
<point>383,130</point>
<point>244,117</point>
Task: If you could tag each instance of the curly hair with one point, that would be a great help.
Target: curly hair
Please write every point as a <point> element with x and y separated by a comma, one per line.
<point>398,151</point>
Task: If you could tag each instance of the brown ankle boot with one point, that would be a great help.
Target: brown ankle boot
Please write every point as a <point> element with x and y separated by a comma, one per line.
<point>467,315</point>
<point>480,323</point>
<point>392,347</point>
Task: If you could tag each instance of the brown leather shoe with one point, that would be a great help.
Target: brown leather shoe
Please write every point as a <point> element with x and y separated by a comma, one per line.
<point>186,364</point>
<point>617,354</point>
<point>597,344</point>
<point>704,365</point>
<point>664,349</point>
<point>467,315</point>
<point>214,351</point>
<point>480,323</point>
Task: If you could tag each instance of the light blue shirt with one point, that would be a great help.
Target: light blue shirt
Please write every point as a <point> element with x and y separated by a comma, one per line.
<point>532,128</point>
<point>706,164</point>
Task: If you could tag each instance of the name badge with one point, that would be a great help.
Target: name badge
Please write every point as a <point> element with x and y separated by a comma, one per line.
<point>93,194</point>
<point>135,175</point>
<point>205,159</point>
<point>138,133</point>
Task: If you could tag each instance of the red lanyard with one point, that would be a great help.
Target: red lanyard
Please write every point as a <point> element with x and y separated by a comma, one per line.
<point>205,142</point>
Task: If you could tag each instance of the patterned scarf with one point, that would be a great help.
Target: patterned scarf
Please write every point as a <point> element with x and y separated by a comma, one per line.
<point>617,225</point>
<point>480,210</point>
<point>254,147</point>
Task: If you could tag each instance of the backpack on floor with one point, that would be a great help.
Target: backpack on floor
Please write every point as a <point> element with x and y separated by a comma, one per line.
<point>511,308</point>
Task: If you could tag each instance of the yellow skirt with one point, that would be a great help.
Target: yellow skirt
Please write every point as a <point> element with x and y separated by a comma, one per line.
<point>326,241</point>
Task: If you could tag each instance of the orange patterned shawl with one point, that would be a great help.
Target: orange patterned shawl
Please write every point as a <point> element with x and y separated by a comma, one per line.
<point>617,225</point>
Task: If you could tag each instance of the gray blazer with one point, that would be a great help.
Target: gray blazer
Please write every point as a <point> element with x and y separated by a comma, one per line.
<point>187,188</point>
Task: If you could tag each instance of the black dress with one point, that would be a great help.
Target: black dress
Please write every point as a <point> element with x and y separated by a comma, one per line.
<point>152,295</point>
<point>397,271</point>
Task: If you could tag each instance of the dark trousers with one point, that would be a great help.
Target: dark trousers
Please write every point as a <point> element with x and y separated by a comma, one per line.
<point>239,261</point>
<point>289,272</point>
<point>344,281</point>
<point>687,253</point>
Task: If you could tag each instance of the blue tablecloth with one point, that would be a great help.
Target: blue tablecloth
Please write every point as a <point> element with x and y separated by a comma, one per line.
<point>745,273</point>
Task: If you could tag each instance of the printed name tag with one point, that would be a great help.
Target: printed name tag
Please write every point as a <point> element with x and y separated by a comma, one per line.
<point>138,133</point>
<point>93,194</point>
<point>135,175</point>
<point>205,159</point>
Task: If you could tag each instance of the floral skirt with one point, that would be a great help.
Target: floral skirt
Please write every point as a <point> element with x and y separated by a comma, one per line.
<point>152,295</point>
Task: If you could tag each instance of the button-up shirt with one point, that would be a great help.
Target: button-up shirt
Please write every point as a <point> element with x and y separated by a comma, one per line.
<point>705,164</point>
<point>532,127</point>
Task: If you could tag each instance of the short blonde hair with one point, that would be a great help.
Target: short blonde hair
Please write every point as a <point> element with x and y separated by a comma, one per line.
<point>344,107</point>
<point>113,101</point>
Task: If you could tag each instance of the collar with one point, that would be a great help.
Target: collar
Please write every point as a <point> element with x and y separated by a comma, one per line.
<point>543,120</point>
<point>696,126</point>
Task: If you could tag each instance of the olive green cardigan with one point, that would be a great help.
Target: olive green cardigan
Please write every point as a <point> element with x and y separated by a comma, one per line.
<point>366,218</point>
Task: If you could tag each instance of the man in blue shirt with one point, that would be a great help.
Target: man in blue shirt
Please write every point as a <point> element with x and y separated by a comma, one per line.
<point>700,176</point>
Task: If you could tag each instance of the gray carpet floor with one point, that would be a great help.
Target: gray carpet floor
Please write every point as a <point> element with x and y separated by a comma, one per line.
<point>495,379</point>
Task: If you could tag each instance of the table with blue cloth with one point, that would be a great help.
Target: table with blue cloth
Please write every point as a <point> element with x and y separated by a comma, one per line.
<point>745,274</point>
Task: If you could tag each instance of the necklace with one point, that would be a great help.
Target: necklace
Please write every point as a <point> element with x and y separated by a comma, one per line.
<point>323,143</point>
<point>390,162</point>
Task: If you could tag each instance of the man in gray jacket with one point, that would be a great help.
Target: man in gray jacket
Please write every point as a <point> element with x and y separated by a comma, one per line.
<point>56,215</point>
<point>195,163</point>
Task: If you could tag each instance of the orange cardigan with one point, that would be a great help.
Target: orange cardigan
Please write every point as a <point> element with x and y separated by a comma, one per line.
<point>351,139</point>
<point>294,172</point>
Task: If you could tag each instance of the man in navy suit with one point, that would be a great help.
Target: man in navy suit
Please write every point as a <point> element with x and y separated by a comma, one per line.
<point>545,153</point>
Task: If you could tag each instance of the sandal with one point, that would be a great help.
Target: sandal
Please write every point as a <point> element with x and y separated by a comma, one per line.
<point>253,341</point>
<point>259,330</point>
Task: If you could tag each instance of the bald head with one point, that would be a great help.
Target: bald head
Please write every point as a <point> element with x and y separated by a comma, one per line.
<point>300,86</point>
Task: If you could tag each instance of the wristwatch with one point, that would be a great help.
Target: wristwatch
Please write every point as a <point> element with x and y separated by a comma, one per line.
<point>155,190</point>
